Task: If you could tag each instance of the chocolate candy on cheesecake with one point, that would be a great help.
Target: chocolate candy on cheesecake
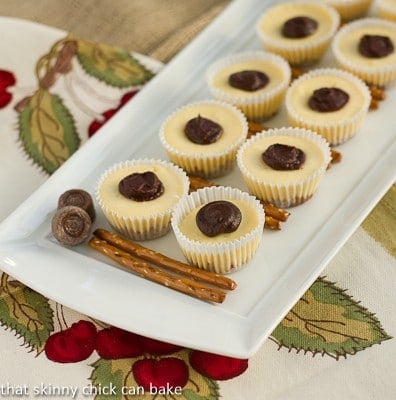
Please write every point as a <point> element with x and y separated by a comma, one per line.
<point>248,80</point>
<point>299,27</point>
<point>328,99</point>
<point>218,217</point>
<point>375,46</point>
<point>202,130</point>
<point>141,186</point>
<point>283,157</point>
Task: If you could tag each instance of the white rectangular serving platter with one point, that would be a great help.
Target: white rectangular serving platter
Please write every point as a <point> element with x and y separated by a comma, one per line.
<point>287,262</point>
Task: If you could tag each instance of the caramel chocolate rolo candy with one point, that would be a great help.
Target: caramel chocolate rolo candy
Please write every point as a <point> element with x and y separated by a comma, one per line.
<point>328,99</point>
<point>217,217</point>
<point>79,198</point>
<point>202,130</point>
<point>299,27</point>
<point>141,186</point>
<point>375,46</point>
<point>248,80</point>
<point>283,157</point>
<point>71,225</point>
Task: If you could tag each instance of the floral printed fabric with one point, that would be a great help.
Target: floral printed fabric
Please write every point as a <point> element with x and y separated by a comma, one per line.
<point>48,350</point>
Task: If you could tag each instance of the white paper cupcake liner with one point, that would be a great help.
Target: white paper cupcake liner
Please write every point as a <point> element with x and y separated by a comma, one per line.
<point>220,257</point>
<point>385,9</point>
<point>375,75</point>
<point>300,52</point>
<point>256,107</point>
<point>350,9</point>
<point>140,227</point>
<point>293,192</point>
<point>338,131</point>
<point>206,164</point>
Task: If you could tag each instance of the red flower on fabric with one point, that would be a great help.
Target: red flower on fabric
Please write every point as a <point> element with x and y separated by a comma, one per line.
<point>156,347</point>
<point>150,371</point>
<point>96,124</point>
<point>168,372</point>
<point>71,345</point>
<point>114,343</point>
<point>7,79</point>
<point>216,366</point>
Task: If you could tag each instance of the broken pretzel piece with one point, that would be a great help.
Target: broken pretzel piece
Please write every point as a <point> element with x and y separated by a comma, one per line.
<point>335,158</point>
<point>277,213</point>
<point>374,104</point>
<point>145,270</point>
<point>377,95</point>
<point>197,182</point>
<point>296,72</point>
<point>253,128</point>
<point>272,223</point>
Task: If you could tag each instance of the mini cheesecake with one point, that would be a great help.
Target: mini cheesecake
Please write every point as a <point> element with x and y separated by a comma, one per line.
<point>249,221</point>
<point>218,228</point>
<point>350,9</point>
<point>386,9</point>
<point>329,101</point>
<point>203,137</point>
<point>283,166</point>
<point>367,48</point>
<point>299,31</point>
<point>255,82</point>
<point>137,196</point>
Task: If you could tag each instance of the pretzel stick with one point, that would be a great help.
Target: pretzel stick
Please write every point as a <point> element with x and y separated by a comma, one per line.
<point>270,210</point>
<point>164,261</point>
<point>144,270</point>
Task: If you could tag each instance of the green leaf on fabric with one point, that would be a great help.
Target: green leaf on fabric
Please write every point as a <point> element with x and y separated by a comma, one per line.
<point>47,130</point>
<point>118,373</point>
<point>211,390</point>
<point>112,65</point>
<point>109,372</point>
<point>327,321</point>
<point>25,312</point>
